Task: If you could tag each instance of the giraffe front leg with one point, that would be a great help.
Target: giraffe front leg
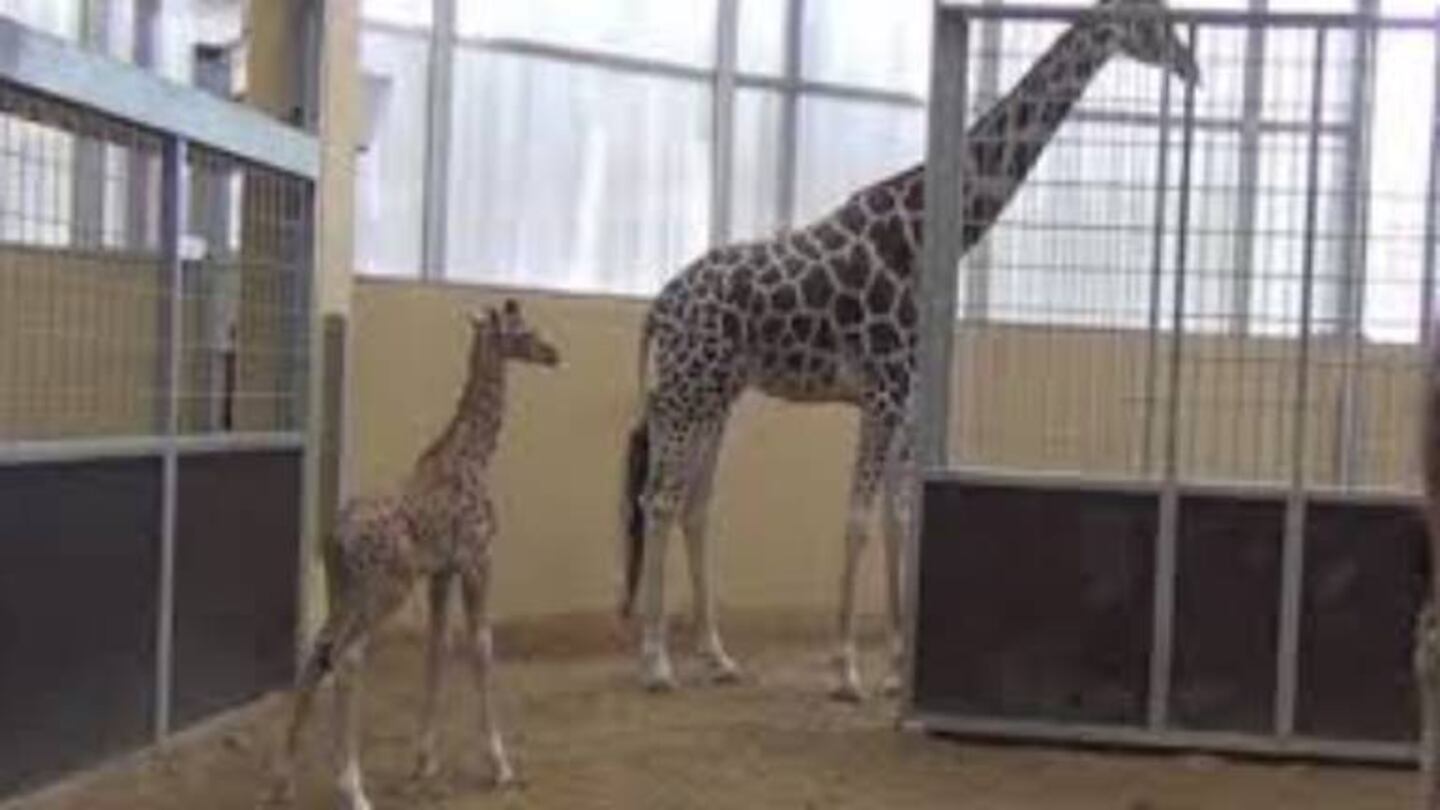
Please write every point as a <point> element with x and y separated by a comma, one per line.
<point>900,498</point>
<point>868,464</point>
<point>656,672</point>
<point>427,761</point>
<point>481,643</point>
<point>347,736</point>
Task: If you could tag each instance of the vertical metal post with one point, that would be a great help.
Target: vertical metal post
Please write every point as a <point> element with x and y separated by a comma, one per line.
<point>1353,224</point>
<point>87,176</point>
<point>787,174</point>
<point>175,205</point>
<point>139,167</point>
<point>1157,275</point>
<point>722,155</point>
<point>438,110</point>
<point>1247,174</point>
<point>1293,556</point>
<point>936,293</point>
<point>1162,642</point>
<point>1432,206</point>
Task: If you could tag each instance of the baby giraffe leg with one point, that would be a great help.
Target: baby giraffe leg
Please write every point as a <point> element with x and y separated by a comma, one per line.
<point>347,739</point>
<point>427,764</point>
<point>482,660</point>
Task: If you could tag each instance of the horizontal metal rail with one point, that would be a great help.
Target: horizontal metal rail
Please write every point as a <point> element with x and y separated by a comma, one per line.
<point>1229,18</point>
<point>63,450</point>
<point>52,67</point>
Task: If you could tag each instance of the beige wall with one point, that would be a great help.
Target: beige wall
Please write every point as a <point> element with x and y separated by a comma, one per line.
<point>1065,399</point>
<point>777,518</point>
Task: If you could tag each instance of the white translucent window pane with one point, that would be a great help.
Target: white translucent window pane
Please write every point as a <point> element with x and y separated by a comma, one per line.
<point>655,29</point>
<point>1289,75</point>
<point>58,17</point>
<point>574,177</point>
<point>1210,253</point>
<point>846,145</point>
<point>1075,245</point>
<point>1398,177</point>
<point>756,187</point>
<point>883,45</point>
<point>761,36</point>
<point>389,188</point>
<point>416,13</point>
<point>36,183</point>
<point>1282,189</point>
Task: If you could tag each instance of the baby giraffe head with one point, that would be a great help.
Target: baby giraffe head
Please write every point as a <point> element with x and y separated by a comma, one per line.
<point>506,332</point>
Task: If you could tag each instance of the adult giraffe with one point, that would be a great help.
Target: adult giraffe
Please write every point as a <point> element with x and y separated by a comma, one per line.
<point>826,313</point>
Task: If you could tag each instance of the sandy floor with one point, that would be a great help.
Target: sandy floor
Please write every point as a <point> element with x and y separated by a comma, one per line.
<point>584,737</point>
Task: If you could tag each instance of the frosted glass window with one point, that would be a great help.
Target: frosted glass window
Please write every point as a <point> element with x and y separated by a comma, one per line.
<point>417,13</point>
<point>1075,244</point>
<point>58,17</point>
<point>1398,176</point>
<point>845,145</point>
<point>36,183</point>
<point>389,186</point>
<point>883,45</point>
<point>656,29</point>
<point>575,177</point>
<point>761,36</point>
<point>756,187</point>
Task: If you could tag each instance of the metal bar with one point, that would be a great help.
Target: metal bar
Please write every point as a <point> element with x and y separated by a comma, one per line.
<point>980,261</point>
<point>1247,174</point>
<point>787,171</point>
<point>722,153</point>
<point>1432,205</point>
<point>1162,643</point>
<point>1353,225</point>
<point>439,101</point>
<point>1157,276</point>
<point>1174,739</point>
<point>87,176</point>
<point>1235,18</point>
<point>52,67</point>
<point>936,293</point>
<point>175,207</point>
<point>1293,555</point>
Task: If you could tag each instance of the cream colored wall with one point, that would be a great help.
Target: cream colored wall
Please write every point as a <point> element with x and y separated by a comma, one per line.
<point>1025,397</point>
<point>780,494</point>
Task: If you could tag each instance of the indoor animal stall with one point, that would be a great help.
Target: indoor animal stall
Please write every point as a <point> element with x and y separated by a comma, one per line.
<point>1170,487</point>
<point>155,313</point>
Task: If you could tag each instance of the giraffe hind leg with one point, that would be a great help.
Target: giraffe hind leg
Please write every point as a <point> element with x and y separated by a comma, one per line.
<point>694,521</point>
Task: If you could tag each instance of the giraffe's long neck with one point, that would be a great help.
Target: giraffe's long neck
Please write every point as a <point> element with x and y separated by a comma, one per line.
<point>1004,145</point>
<point>473,431</point>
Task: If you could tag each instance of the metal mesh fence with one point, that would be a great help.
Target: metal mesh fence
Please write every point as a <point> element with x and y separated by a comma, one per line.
<point>1275,217</point>
<point>86,283</point>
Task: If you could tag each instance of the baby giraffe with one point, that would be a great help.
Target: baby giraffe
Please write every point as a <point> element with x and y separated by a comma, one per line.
<point>438,527</point>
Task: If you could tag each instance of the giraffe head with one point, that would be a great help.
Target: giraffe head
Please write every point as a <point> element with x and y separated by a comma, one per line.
<point>506,329</point>
<point>1144,34</point>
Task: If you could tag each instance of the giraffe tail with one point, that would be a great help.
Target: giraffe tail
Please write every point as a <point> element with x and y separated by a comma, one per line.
<point>637,469</point>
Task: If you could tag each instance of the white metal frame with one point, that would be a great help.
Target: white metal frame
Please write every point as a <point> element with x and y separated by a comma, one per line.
<point>181,117</point>
<point>937,319</point>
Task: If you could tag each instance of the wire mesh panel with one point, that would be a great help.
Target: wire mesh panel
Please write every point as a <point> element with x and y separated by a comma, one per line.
<point>81,273</point>
<point>1300,226</point>
<point>246,297</point>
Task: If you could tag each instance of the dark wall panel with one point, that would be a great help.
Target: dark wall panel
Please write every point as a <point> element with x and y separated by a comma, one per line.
<point>1227,607</point>
<point>1035,604</point>
<point>79,574</point>
<point>1364,578</point>
<point>236,561</point>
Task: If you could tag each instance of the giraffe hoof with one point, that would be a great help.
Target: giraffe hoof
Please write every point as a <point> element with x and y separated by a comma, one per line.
<point>847,692</point>
<point>427,767</point>
<point>658,684</point>
<point>890,687</point>
<point>505,779</point>
<point>281,792</point>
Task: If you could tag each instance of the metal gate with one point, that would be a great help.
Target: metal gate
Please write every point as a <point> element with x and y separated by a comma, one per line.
<point>155,319</point>
<point>1170,404</point>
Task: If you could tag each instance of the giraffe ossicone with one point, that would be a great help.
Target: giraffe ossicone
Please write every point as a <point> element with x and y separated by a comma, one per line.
<point>826,313</point>
<point>439,527</point>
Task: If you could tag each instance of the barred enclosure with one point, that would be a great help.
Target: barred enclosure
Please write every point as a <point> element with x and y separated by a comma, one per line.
<point>155,325</point>
<point>1172,446</point>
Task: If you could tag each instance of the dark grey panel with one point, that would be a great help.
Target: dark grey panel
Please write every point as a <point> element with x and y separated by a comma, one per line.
<point>1364,578</point>
<point>79,574</point>
<point>1035,604</point>
<point>236,560</point>
<point>1227,606</point>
